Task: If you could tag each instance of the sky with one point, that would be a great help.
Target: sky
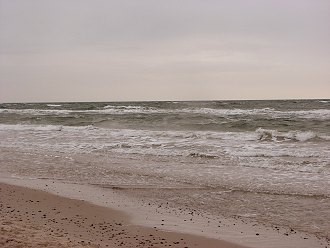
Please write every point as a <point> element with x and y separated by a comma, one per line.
<point>144,50</point>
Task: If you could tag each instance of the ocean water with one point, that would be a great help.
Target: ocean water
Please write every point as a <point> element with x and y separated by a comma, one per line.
<point>268,161</point>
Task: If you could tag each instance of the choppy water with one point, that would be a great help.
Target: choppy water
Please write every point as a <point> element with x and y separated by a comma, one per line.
<point>266,160</point>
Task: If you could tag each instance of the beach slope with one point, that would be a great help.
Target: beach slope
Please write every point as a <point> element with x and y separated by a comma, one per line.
<point>34,218</point>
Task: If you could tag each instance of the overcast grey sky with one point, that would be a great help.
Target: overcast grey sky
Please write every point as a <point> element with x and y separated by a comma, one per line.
<point>106,50</point>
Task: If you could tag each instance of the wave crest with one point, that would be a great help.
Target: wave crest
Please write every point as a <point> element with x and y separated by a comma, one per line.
<point>274,135</point>
<point>322,114</point>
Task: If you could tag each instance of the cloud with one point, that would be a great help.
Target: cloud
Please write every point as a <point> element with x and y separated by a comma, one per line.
<point>185,48</point>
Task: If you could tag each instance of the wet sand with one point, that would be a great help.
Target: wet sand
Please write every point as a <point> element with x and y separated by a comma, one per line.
<point>34,218</point>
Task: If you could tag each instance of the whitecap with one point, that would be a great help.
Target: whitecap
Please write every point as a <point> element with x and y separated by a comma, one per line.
<point>21,127</point>
<point>274,135</point>
<point>54,105</point>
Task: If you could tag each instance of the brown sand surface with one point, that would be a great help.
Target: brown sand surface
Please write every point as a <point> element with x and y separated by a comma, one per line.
<point>33,218</point>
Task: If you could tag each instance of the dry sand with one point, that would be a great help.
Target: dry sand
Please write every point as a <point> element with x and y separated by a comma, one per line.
<point>33,218</point>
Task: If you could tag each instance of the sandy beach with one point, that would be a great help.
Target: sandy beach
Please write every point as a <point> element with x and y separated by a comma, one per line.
<point>33,218</point>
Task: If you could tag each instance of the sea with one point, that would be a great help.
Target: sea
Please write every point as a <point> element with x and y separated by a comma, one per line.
<point>268,161</point>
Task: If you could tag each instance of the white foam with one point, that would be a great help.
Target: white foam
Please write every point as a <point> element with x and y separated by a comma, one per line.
<point>123,107</point>
<point>274,135</point>
<point>323,114</point>
<point>325,137</point>
<point>37,111</point>
<point>54,105</point>
<point>304,136</point>
<point>19,127</point>
<point>258,148</point>
<point>228,112</point>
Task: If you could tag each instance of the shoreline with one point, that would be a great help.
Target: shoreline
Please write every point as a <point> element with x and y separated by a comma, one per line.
<point>151,217</point>
<point>34,218</point>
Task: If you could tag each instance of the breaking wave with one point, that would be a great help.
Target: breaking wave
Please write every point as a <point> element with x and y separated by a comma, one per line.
<point>18,127</point>
<point>274,135</point>
<point>323,114</point>
<point>54,105</point>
